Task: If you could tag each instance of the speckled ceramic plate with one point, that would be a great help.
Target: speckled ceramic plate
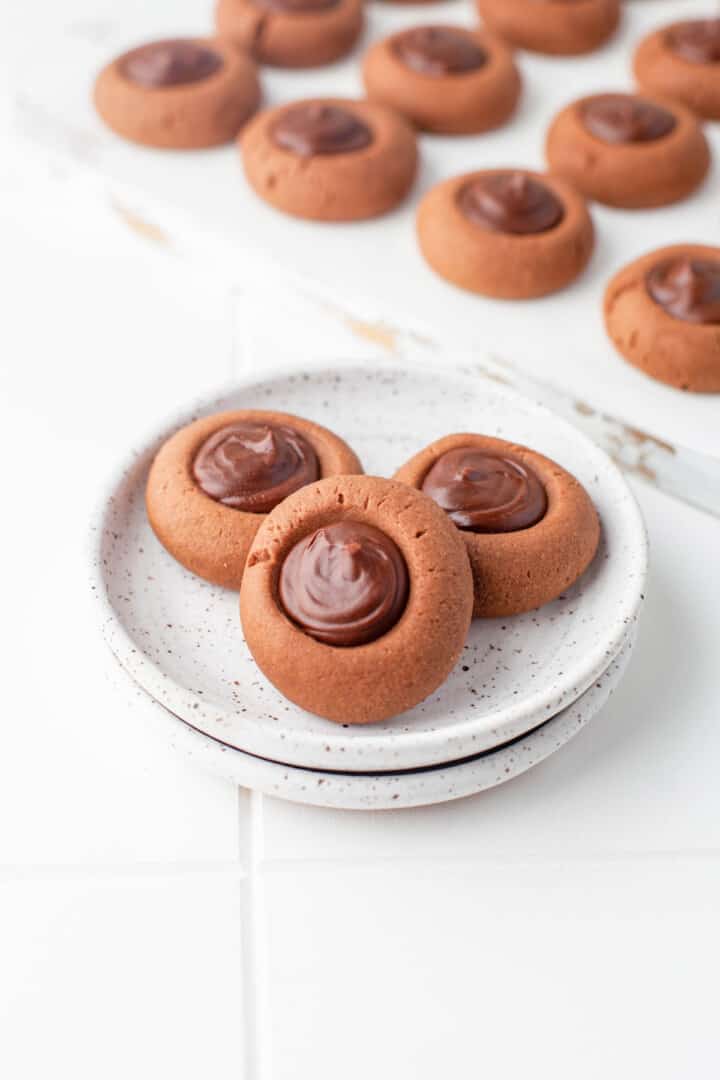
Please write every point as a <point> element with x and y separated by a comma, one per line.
<point>180,638</point>
<point>390,790</point>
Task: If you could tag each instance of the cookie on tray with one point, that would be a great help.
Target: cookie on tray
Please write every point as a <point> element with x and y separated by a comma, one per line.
<point>180,94</point>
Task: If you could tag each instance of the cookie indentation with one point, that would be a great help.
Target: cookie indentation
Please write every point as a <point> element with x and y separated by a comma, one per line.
<point>439,50</point>
<point>253,467</point>
<point>619,119</point>
<point>688,289</point>
<point>486,492</point>
<point>311,129</point>
<point>697,40</point>
<point>345,584</point>
<point>170,63</point>
<point>510,202</point>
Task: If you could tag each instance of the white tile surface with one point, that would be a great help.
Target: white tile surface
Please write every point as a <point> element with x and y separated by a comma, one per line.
<point>555,970</point>
<point>102,336</point>
<point>121,977</point>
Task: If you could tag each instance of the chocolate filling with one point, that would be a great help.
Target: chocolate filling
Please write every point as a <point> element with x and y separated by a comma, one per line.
<point>486,492</point>
<point>253,466</point>
<point>697,41</point>
<point>439,51</point>
<point>311,129</point>
<point>170,63</point>
<point>511,202</point>
<point>346,584</point>
<point>621,119</point>
<point>687,288</point>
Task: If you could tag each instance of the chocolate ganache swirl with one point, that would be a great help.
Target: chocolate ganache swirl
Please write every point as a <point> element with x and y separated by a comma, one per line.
<point>688,289</point>
<point>621,119</point>
<point>170,63</point>
<point>310,129</point>
<point>346,584</point>
<point>439,50</point>
<point>486,492</point>
<point>510,202</point>
<point>252,466</point>
<point>697,40</point>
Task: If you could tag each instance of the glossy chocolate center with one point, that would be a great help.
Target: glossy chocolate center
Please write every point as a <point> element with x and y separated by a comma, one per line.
<point>170,63</point>
<point>688,289</point>
<point>345,584</point>
<point>253,466</point>
<point>439,50</point>
<point>320,129</point>
<point>697,41</point>
<point>511,202</point>
<point>486,492</point>
<point>620,119</point>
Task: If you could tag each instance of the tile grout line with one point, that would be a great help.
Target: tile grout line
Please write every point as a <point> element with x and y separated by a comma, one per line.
<point>254,931</point>
<point>397,860</point>
<point>136,871</point>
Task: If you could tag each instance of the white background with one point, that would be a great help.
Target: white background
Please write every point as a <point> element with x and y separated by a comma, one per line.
<point>156,922</point>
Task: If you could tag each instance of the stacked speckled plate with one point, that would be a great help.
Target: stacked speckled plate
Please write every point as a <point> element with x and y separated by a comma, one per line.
<point>523,685</point>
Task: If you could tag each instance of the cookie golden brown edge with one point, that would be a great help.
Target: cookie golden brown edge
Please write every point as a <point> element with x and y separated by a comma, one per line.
<point>517,571</point>
<point>330,159</point>
<point>208,537</point>
<point>178,94</point>
<point>681,61</point>
<point>629,151</point>
<point>554,27</point>
<point>371,682</point>
<point>292,35</point>
<point>675,336</point>
<point>509,234</point>
<point>444,79</point>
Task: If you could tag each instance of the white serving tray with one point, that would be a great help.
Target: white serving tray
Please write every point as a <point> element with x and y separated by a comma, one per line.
<point>180,638</point>
<point>199,203</point>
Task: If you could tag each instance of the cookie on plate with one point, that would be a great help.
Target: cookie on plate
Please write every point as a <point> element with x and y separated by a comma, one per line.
<point>330,159</point>
<point>180,94</point>
<point>682,62</point>
<point>506,233</point>
<point>662,313</point>
<point>357,598</point>
<point>628,151</point>
<point>444,78</point>
<point>212,484</point>
<point>291,33</point>
<point>529,526</point>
